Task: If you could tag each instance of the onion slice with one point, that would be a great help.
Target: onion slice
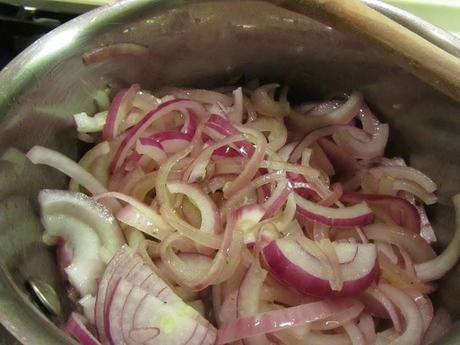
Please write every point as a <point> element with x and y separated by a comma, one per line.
<point>42,155</point>
<point>210,220</point>
<point>290,262</point>
<point>277,320</point>
<point>248,299</point>
<point>118,110</point>
<point>88,211</point>
<point>417,247</point>
<point>135,133</point>
<point>440,265</point>
<point>75,326</point>
<point>358,214</point>
<point>114,50</point>
<point>401,211</point>
<point>90,124</point>
<point>413,333</point>
<point>408,173</point>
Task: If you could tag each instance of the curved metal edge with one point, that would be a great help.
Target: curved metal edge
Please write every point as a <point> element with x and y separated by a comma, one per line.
<point>26,324</point>
<point>16,74</point>
<point>22,69</point>
<point>439,37</point>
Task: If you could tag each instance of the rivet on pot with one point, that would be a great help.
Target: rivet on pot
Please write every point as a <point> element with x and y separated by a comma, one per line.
<point>46,296</point>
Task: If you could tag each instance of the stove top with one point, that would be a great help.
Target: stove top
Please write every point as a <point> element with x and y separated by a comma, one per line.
<point>21,25</point>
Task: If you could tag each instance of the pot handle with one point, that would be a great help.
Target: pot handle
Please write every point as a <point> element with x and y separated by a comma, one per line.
<point>414,53</point>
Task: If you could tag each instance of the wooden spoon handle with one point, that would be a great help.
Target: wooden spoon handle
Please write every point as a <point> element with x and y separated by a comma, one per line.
<point>414,53</point>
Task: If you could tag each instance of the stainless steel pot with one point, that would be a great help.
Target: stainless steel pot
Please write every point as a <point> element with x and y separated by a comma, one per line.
<point>198,43</point>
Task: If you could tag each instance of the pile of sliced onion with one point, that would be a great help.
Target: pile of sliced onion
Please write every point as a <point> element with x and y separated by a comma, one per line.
<point>277,223</point>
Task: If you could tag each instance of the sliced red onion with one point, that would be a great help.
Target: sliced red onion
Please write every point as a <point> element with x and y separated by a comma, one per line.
<point>228,166</point>
<point>320,161</point>
<point>87,265</point>
<point>145,101</point>
<point>387,250</point>
<point>439,326</point>
<point>386,337</point>
<point>291,264</point>
<point>426,230</point>
<point>416,246</point>
<point>355,334</point>
<point>152,226</point>
<point>334,197</point>
<point>277,131</point>
<point>171,141</point>
<point>328,339</point>
<point>86,210</point>
<point>344,164</point>
<point>227,310</point>
<point>311,138</point>
<point>277,199</point>
<point>210,220</point>
<point>339,116</point>
<point>337,320</point>
<point>235,165</point>
<point>226,151</point>
<point>192,266</point>
<point>440,265</point>
<point>221,125</point>
<point>413,333</point>
<point>424,305</point>
<point>75,326</point>
<point>88,303</point>
<point>129,266</point>
<point>152,149</point>
<point>285,152</point>
<point>252,165</point>
<point>137,317</point>
<point>42,155</point>
<point>136,132</point>
<point>372,148</point>
<point>103,294</point>
<point>63,253</point>
<point>266,105</point>
<point>358,214</point>
<point>319,108</point>
<point>203,96</point>
<point>407,173</point>
<point>118,110</point>
<point>90,124</point>
<point>114,50</point>
<point>190,124</point>
<point>400,210</point>
<point>101,99</point>
<point>277,320</point>
<point>416,190</point>
<point>224,128</point>
<point>388,310</point>
<point>401,278</point>
<point>197,169</point>
<point>87,227</point>
<point>167,209</point>
<point>246,218</point>
<point>224,264</point>
<point>248,299</point>
<point>367,326</point>
<point>95,161</point>
<point>236,114</point>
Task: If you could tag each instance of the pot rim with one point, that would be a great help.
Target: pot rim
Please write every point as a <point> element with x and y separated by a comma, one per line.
<point>21,319</point>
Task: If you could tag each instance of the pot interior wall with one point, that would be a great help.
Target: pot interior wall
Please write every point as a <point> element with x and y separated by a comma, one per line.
<point>204,44</point>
